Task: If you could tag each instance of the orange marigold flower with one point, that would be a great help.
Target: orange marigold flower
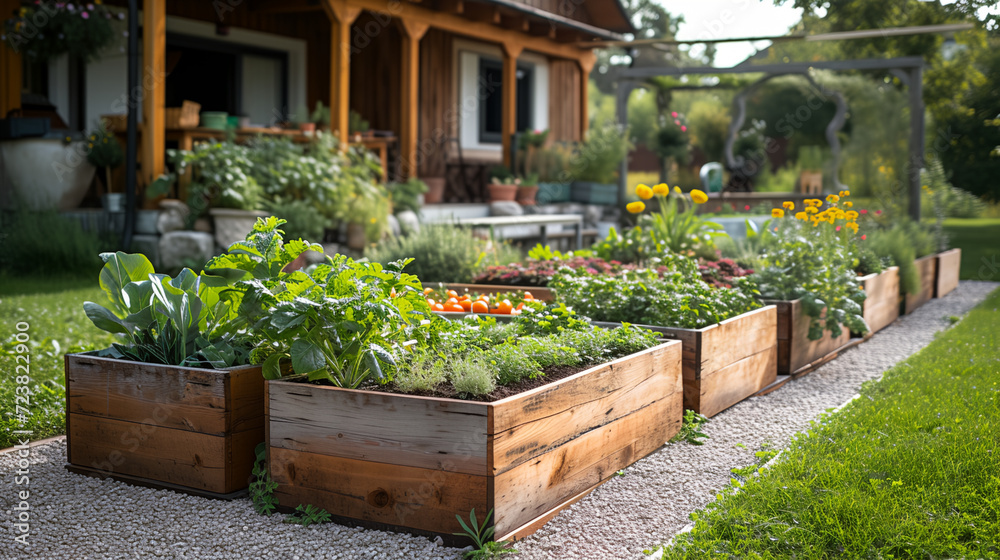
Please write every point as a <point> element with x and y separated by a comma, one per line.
<point>699,197</point>
<point>635,207</point>
<point>644,192</point>
<point>777,213</point>
<point>788,205</point>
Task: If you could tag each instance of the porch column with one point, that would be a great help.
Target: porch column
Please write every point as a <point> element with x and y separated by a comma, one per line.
<point>511,51</point>
<point>154,56</point>
<point>412,32</point>
<point>342,15</point>
<point>586,63</point>
<point>10,63</point>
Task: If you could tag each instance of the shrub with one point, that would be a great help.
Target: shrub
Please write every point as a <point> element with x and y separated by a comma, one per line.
<point>473,376</point>
<point>423,372</point>
<point>443,253</point>
<point>406,196</point>
<point>600,155</point>
<point>304,220</point>
<point>895,244</point>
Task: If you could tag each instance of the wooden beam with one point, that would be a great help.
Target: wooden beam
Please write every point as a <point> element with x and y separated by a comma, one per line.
<point>412,32</point>
<point>341,15</point>
<point>564,35</point>
<point>586,63</point>
<point>11,69</point>
<point>154,78</point>
<point>286,6</point>
<point>452,6</point>
<point>483,13</point>
<point>515,22</point>
<point>542,29</point>
<point>511,50</point>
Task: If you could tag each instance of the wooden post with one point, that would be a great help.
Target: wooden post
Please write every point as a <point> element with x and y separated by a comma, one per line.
<point>412,32</point>
<point>586,63</point>
<point>154,57</point>
<point>511,51</point>
<point>342,15</point>
<point>10,66</point>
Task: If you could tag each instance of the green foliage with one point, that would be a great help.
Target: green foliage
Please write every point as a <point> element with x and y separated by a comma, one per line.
<point>895,245</point>
<point>308,514</point>
<point>406,196</point>
<point>421,372</point>
<point>444,253</point>
<point>321,114</point>
<point>103,149</point>
<point>677,228</point>
<point>600,155</point>
<point>261,486</point>
<point>907,470</point>
<point>305,221</point>
<point>547,351</point>
<point>511,364</point>
<point>47,244</point>
<point>691,429</point>
<point>356,123</point>
<point>472,375</point>
<point>708,121</point>
<point>673,296</point>
<point>46,30</point>
<point>481,535</point>
<point>220,177</point>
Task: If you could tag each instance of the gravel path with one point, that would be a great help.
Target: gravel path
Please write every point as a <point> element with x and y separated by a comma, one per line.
<point>77,517</point>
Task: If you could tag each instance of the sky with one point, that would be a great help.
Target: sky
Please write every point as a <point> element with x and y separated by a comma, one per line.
<point>717,19</point>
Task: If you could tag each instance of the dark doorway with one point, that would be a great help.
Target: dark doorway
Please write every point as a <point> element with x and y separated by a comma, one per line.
<point>207,77</point>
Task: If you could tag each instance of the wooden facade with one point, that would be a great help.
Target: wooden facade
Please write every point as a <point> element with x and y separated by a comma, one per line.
<point>391,62</point>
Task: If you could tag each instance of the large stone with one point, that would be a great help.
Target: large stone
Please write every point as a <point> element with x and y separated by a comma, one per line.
<point>173,216</point>
<point>182,248</point>
<point>506,208</point>
<point>394,227</point>
<point>409,222</point>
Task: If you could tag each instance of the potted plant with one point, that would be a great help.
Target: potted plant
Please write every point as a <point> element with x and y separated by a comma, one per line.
<point>176,403</point>
<point>321,116</point>
<point>104,152</point>
<point>357,126</point>
<point>503,188</point>
<point>595,165</point>
<point>302,121</point>
<point>358,350</point>
<point>527,189</point>
<point>551,165</point>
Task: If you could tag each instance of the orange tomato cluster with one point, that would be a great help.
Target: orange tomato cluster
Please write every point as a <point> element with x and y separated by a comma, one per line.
<point>482,304</point>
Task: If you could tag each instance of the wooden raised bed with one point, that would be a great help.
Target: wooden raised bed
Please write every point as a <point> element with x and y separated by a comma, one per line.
<point>881,305</point>
<point>538,292</point>
<point>796,353</point>
<point>927,270</point>
<point>727,362</point>
<point>187,429</point>
<point>412,463</point>
<point>948,265</point>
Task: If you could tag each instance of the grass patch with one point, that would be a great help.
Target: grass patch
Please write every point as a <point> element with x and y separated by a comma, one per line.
<point>57,325</point>
<point>979,239</point>
<point>911,469</point>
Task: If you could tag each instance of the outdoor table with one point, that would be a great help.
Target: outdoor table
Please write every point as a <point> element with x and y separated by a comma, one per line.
<point>542,220</point>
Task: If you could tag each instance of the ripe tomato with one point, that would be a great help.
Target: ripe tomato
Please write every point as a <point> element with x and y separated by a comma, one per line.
<point>520,306</point>
<point>451,301</point>
<point>427,291</point>
<point>466,305</point>
<point>452,294</point>
<point>454,307</point>
<point>505,307</point>
<point>528,296</point>
<point>480,306</point>
<point>438,307</point>
<point>431,302</point>
<point>484,297</point>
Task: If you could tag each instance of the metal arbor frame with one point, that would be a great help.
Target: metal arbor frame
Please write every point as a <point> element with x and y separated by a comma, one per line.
<point>909,69</point>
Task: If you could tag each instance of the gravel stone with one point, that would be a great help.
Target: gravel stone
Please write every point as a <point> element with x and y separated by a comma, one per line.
<point>74,516</point>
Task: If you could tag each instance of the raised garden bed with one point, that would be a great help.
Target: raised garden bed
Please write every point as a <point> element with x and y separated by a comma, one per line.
<point>948,265</point>
<point>881,305</point>
<point>412,463</point>
<point>187,429</point>
<point>540,293</point>
<point>927,270</point>
<point>728,362</point>
<point>796,353</point>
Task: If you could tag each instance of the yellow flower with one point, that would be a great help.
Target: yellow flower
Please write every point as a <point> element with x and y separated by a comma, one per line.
<point>644,192</point>
<point>832,198</point>
<point>788,205</point>
<point>845,193</point>
<point>816,223</point>
<point>777,213</point>
<point>851,215</point>
<point>699,197</point>
<point>848,204</point>
<point>635,207</point>
<point>662,189</point>
<point>801,216</point>
<point>93,137</point>
<point>853,226</point>
<point>372,220</point>
<point>881,169</point>
<point>677,189</point>
<point>812,210</point>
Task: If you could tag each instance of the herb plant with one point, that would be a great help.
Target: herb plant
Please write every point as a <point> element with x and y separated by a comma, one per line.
<point>444,253</point>
<point>262,487</point>
<point>481,535</point>
<point>691,429</point>
<point>308,514</point>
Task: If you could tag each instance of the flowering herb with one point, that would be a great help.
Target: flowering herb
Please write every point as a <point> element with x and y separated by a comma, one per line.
<point>46,29</point>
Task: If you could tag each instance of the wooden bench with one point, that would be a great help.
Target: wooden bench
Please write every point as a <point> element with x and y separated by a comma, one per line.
<point>542,220</point>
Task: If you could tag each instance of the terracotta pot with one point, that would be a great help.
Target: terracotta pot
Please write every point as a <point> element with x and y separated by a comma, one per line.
<point>307,127</point>
<point>526,195</point>
<point>499,192</point>
<point>435,190</point>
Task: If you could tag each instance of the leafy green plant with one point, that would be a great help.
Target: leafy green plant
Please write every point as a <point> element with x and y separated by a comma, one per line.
<point>262,487</point>
<point>103,149</point>
<point>355,123</point>
<point>321,114</point>
<point>473,375</point>
<point>308,514</point>
<point>443,253</point>
<point>511,364</point>
<point>220,177</point>
<point>304,221</point>
<point>691,429</point>
<point>406,196</point>
<point>422,372</point>
<point>600,154</point>
<point>48,244</point>
<point>481,535</point>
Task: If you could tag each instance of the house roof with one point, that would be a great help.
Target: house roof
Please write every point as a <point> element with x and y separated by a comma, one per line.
<point>610,13</point>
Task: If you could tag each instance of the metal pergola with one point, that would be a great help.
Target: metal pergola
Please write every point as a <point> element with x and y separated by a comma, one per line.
<point>908,69</point>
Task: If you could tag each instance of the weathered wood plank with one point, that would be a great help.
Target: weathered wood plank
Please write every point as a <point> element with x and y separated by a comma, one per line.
<point>721,389</point>
<point>246,400</point>
<point>949,263</point>
<point>737,338</point>
<point>586,386</point>
<point>882,298</point>
<point>650,381</point>
<point>406,430</point>
<point>927,270</point>
<point>158,453</point>
<point>797,350</point>
<point>534,488</point>
<point>418,498</point>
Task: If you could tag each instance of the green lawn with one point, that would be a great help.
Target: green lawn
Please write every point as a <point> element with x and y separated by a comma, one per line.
<point>911,469</point>
<point>57,324</point>
<point>979,240</point>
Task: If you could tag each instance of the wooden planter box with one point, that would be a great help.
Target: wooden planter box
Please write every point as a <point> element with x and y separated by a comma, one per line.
<point>795,351</point>
<point>927,270</point>
<point>948,265</point>
<point>187,429</point>
<point>538,292</point>
<point>881,305</point>
<point>727,362</point>
<point>412,463</point>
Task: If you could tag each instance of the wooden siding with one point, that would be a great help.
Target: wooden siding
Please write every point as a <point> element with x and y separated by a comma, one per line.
<point>564,100</point>
<point>438,111</point>
<point>376,71</point>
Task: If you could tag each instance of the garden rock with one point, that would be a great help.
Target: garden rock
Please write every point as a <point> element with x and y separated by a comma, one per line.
<point>178,248</point>
<point>394,227</point>
<point>408,222</point>
<point>506,208</point>
<point>173,215</point>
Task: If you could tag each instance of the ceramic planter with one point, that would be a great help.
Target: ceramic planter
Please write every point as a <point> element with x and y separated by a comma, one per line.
<point>232,225</point>
<point>501,193</point>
